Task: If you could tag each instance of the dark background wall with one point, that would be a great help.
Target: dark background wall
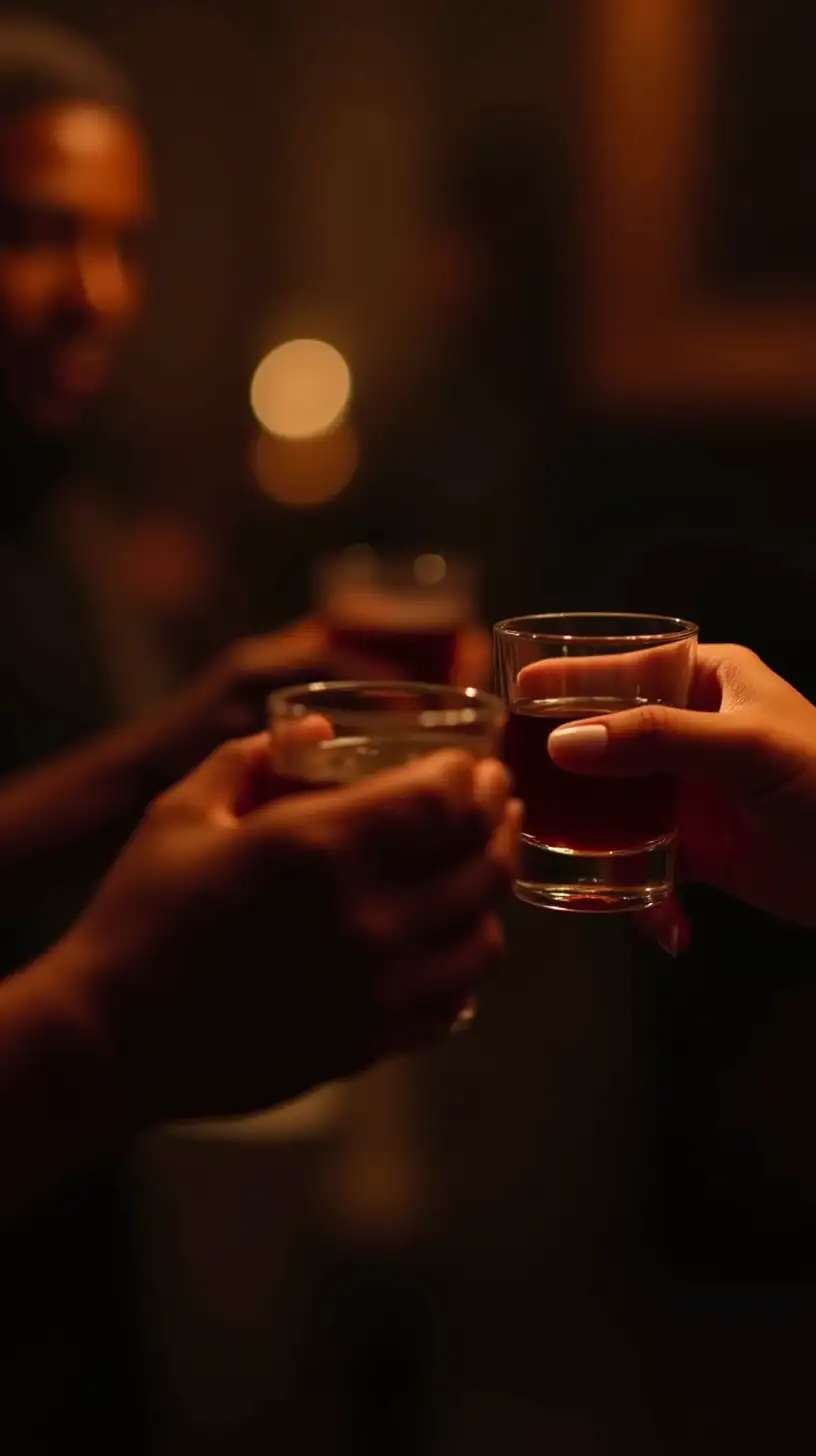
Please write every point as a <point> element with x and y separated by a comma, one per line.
<point>623,1257</point>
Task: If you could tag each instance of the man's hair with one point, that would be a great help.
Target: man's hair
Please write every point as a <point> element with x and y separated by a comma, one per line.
<point>43,65</point>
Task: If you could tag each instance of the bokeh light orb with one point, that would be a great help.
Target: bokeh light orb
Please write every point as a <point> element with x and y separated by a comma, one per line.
<point>306,472</point>
<point>301,389</point>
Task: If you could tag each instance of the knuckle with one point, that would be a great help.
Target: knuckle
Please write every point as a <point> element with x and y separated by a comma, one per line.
<point>741,674</point>
<point>741,655</point>
<point>430,806</point>
<point>164,807</point>
<point>177,806</point>
<point>654,723</point>
<point>375,927</point>
<point>441,820</point>
<point>451,780</point>
<point>740,664</point>
<point>231,753</point>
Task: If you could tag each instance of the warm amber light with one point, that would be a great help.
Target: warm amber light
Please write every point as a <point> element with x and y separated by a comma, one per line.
<point>305,472</point>
<point>301,389</point>
<point>430,569</point>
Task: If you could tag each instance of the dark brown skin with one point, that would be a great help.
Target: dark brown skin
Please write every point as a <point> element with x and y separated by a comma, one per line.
<point>242,950</point>
<point>74,211</point>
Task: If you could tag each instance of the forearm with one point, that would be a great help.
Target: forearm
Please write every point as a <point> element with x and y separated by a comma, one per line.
<point>91,795</point>
<point>60,1106</point>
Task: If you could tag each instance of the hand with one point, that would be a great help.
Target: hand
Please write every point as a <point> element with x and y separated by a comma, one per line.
<point>746,754</point>
<point>232,962</point>
<point>228,700</point>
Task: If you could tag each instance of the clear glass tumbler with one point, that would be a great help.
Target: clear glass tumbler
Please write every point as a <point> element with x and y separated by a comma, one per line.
<point>590,843</point>
<point>364,727</point>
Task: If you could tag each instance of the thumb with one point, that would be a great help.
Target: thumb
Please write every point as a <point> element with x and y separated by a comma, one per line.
<point>657,739</point>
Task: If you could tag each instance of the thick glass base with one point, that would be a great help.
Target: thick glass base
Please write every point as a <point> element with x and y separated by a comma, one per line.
<point>595,883</point>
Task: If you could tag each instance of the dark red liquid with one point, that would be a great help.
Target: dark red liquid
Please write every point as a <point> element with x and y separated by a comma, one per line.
<point>420,654</point>
<point>570,811</point>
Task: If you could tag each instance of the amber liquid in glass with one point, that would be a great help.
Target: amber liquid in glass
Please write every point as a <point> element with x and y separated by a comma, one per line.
<point>578,813</point>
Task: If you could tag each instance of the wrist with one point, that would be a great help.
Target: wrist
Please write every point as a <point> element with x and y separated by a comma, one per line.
<point>63,1104</point>
<point>68,988</point>
<point>93,984</point>
<point>87,984</point>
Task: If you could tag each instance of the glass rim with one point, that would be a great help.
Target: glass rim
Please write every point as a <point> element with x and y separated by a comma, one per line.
<point>677,628</point>
<point>474,701</point>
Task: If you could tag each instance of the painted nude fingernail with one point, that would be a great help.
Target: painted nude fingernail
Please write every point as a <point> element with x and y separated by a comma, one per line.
<point>580,742</point>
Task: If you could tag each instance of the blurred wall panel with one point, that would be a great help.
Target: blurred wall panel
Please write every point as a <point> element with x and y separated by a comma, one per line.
<point>359,134</point>
<point>685,110</point>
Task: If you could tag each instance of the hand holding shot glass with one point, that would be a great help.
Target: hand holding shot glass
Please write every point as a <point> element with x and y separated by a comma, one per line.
<point>590,844</point>
<point>330,734</point>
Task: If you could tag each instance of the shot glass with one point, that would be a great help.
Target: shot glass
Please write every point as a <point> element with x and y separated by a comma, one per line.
<point>590,844</point>
<point>364,727</point>
<point>404,610</point>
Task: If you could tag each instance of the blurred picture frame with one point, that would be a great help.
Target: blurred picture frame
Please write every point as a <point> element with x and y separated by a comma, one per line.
<point>656,331</point>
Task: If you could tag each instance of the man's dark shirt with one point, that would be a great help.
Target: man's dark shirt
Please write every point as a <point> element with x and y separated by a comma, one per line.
<point>68,1362</point>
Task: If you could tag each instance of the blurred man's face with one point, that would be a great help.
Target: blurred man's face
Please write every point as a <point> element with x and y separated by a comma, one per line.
<point>74,206</point>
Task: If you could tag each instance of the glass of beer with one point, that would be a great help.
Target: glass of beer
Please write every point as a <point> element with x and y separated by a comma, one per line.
<point>590,843</point>
<point>404,610</point>
<point>364,727</point>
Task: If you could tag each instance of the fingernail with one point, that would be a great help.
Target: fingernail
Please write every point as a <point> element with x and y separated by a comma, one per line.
<point>579,741</point>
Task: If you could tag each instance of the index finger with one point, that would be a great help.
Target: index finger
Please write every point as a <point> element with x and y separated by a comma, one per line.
<point>660,674</point>
<point>720,671</point>
<point>409,819</point>
<point>431,813</point>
